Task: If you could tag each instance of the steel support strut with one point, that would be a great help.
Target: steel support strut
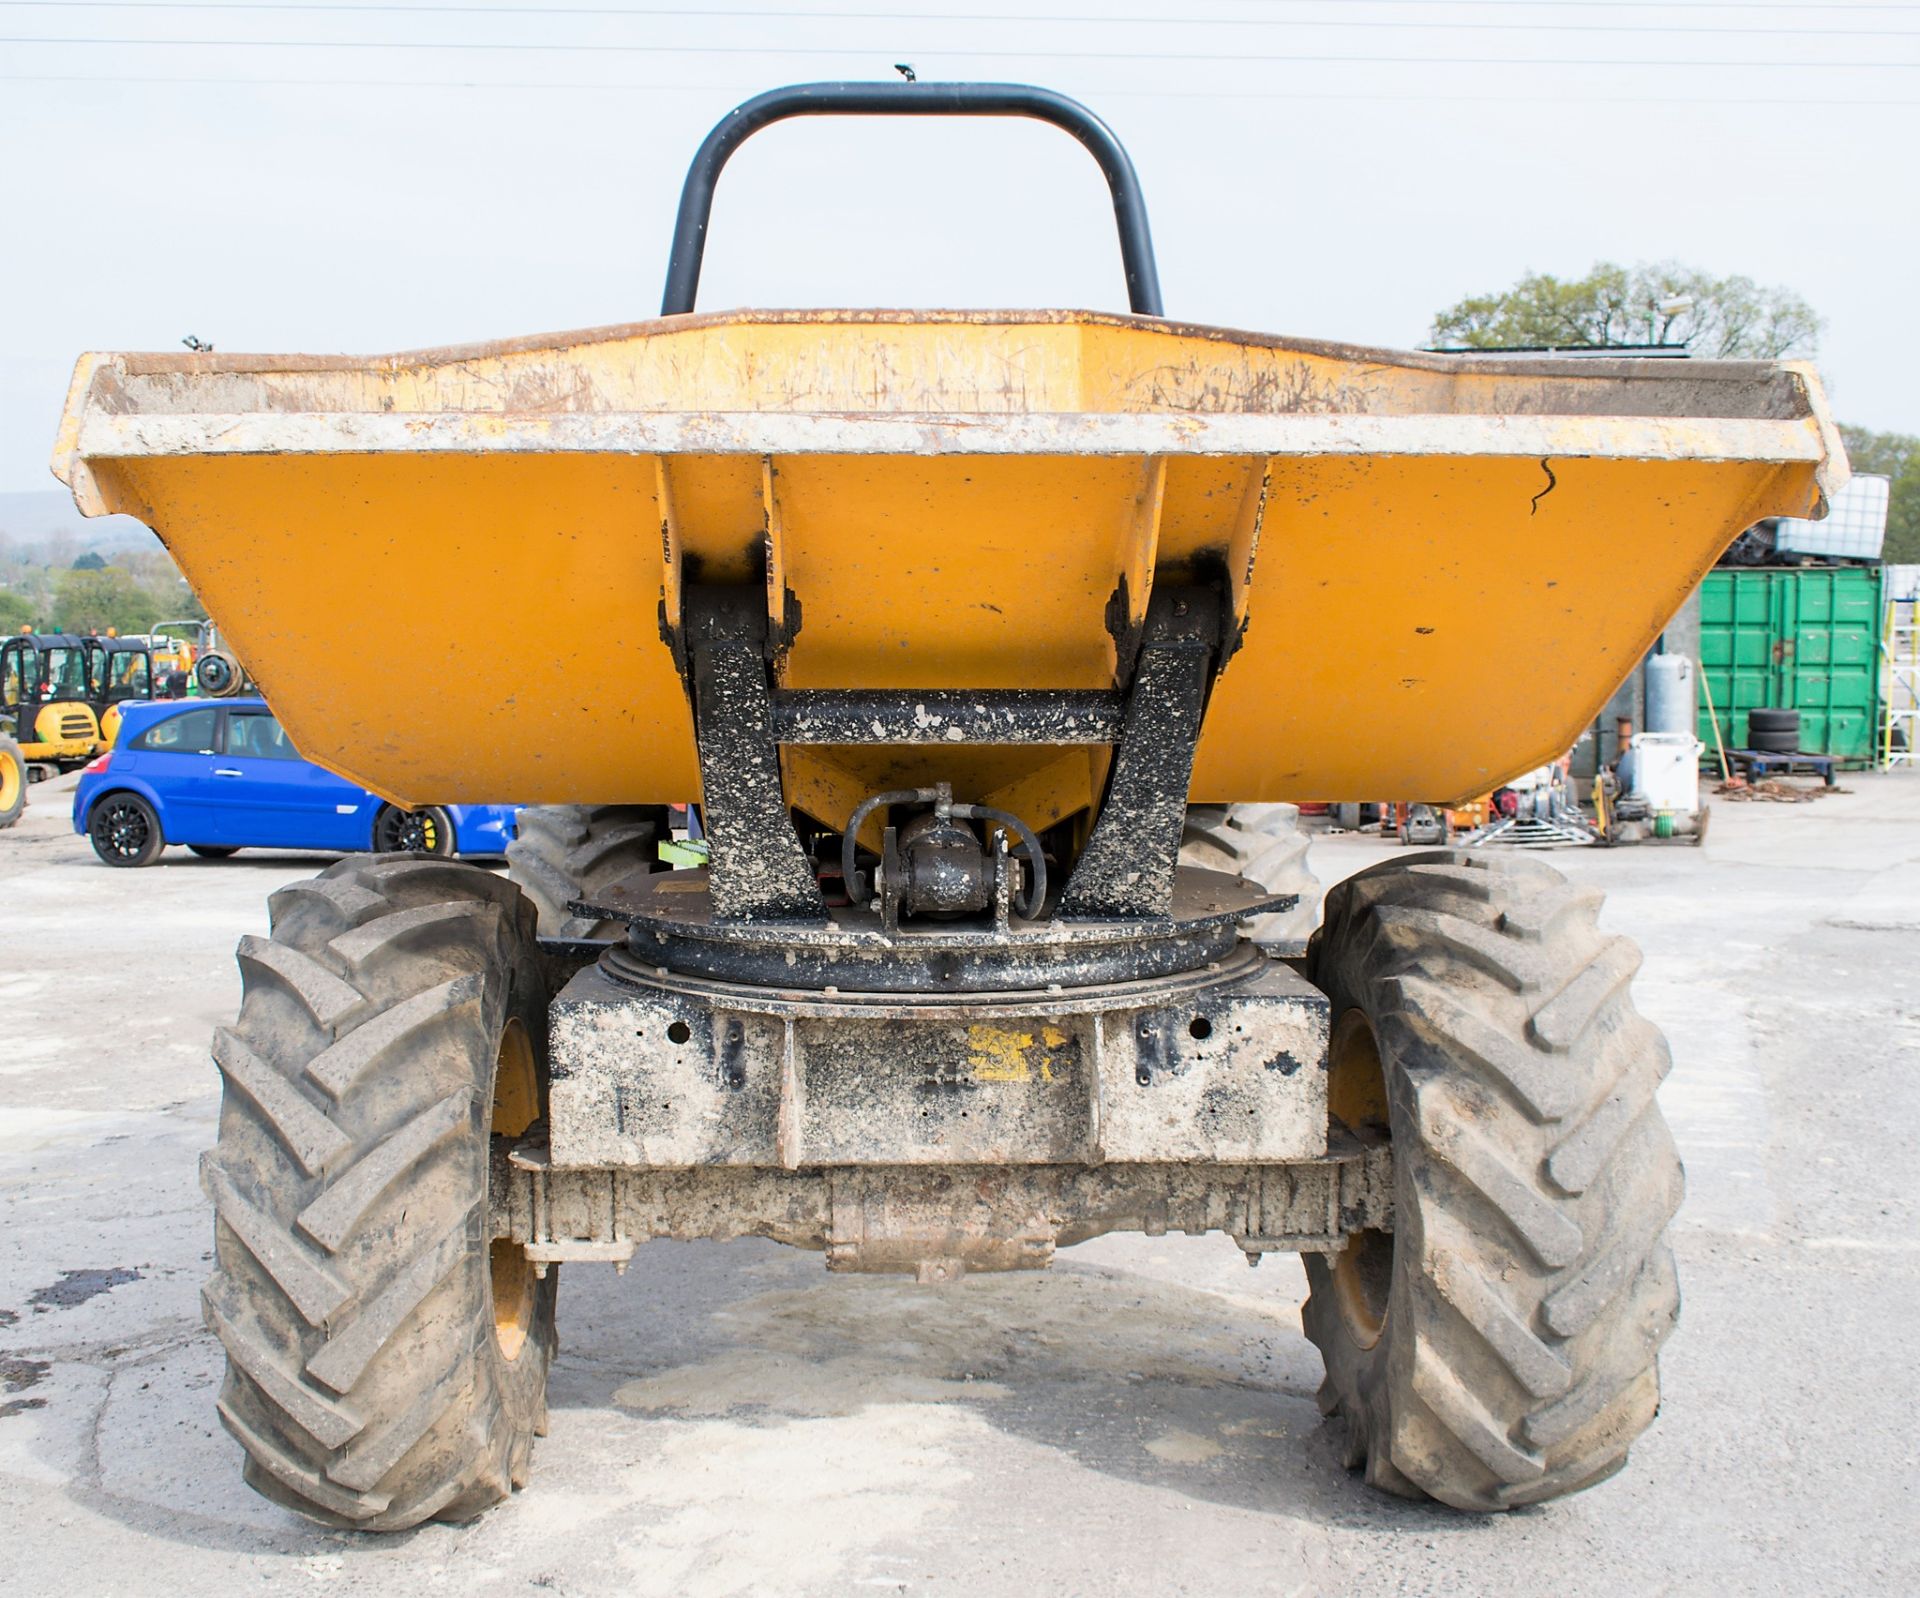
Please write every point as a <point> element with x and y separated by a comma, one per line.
<point>1126,869</point>
<point>759,871</point>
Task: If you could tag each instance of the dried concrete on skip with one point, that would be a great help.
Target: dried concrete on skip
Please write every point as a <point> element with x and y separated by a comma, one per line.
<point>730,1419</point>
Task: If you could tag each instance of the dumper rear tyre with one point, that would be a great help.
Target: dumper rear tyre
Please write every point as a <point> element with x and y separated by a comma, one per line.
<point>386,1360</point>
<point>1499,1346</point>
<point>1264,844</point>
<point>566,852</point>
<point>13,782</point>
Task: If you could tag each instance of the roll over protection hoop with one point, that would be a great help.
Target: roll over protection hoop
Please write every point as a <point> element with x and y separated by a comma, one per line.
<point>910,100</point>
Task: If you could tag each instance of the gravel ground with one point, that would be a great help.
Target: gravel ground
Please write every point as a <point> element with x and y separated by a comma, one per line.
<point>729,1419</point>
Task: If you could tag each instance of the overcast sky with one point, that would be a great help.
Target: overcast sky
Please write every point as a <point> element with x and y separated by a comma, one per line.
<point>365,177</point>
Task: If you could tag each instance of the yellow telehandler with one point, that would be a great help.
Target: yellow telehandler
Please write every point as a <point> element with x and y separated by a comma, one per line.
<point>944,619</point>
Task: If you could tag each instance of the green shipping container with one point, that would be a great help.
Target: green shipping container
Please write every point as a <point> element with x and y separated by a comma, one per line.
<point>1804,638</point>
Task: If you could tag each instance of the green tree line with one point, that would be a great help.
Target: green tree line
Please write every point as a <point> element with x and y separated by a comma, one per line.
<point>47,587</point>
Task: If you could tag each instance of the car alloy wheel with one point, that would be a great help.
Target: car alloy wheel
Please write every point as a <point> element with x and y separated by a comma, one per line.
<point>123,832</point>
<point>424,831</point>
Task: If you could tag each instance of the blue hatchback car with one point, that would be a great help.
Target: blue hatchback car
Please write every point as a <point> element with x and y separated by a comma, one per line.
<point>220,776</point>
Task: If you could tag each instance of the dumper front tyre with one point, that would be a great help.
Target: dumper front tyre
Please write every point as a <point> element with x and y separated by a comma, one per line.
<point>386,1359</point>
<point>564,852</point>
<point>1499,1346</point>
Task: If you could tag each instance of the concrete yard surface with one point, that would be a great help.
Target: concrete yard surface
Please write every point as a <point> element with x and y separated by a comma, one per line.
<point>731,1419</point>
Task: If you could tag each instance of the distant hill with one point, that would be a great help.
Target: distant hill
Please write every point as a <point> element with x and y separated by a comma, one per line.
<point>28,518</point>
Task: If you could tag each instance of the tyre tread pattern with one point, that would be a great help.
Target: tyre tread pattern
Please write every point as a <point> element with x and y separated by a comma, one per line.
<point>564,852</point>
<point>1264,844</point>
<point>1535,1179</point>
<point>364,1384</point>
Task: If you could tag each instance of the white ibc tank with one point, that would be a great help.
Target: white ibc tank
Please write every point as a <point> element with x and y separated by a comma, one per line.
<point>1667,770</point>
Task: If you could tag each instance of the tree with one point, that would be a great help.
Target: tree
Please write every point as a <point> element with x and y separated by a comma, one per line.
<point>1897,455</point>
<point>92,601</point>
<point>1730,318</point>
<point>92,561</point>
<point>15,612</point>
<point>155,571</point>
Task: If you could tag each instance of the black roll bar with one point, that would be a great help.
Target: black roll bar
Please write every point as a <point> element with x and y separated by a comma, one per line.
<point>910,100</point>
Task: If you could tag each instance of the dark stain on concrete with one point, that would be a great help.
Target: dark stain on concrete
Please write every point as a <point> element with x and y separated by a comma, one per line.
<point>18,1374</point>
<point>76,1287</point>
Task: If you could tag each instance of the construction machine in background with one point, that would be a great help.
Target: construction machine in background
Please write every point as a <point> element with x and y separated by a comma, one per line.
<point>119,671</point>
<point>945,619</point>
<point>196,649</point>
<point>14,777</point>
<point>176,644</point>
<point>218,674</point>
<point>46,708</point>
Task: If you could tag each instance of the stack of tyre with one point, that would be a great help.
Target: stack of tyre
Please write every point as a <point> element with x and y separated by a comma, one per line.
<point>1772,731</point>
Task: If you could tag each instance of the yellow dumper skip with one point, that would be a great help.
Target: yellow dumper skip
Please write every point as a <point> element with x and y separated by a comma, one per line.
<point>452,570</point>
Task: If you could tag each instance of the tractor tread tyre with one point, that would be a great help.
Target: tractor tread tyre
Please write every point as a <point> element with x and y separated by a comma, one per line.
<point>366,1381</point>
<point>565,851</point>
<point>13,782</point>
<point>1531,1283</point>
<point>1264,844</point>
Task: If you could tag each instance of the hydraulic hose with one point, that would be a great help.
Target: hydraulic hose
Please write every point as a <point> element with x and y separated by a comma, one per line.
<point>1036,894</point>
<point>867,806</point>
<point>940,798</point>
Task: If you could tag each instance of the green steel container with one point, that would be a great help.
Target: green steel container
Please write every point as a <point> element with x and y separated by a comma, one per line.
<point>1804,638</point>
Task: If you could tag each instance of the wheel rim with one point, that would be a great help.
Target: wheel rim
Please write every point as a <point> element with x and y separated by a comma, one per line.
<point>1363,1285</point>
<point>516,1104</point>
<point>123,830</point>
<point>411,832</point>
<point>11,779</point>
<point>1357,1099</point>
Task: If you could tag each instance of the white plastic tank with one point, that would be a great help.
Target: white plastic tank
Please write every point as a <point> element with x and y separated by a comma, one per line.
<point>1855,526</point>
<point>1671,694</point>
<point>1667,770</point>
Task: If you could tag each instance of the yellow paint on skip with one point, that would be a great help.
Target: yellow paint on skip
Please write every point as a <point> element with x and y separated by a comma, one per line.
<point>1005,1054</point>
